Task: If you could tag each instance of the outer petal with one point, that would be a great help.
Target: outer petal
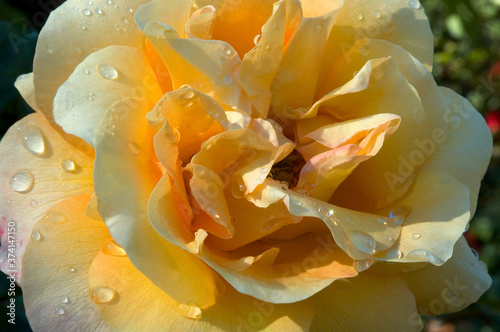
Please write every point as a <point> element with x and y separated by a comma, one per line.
<point>138,305</point>
<point>103,78</point>
<point>38,170</point>
<point>367,303</point>
<point>55,267</point>
<point>452,286</point>
<point>73,31</point>
<point>465,149</point>
<point>439,214</point>
<point>125,175</point>
<point>24,84</point>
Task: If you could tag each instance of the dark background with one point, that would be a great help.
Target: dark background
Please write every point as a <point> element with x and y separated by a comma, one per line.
<point>467,59</point>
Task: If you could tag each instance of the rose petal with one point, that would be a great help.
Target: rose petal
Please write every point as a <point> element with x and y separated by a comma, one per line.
<point>24,84</point>
<point>38,170</point>
<point>449,287</point>
<point>114,73</point>
<point>85,31</point>
<point>130,309</point>
<point>55,267</point>
<point>125,175</point>
<point>350,305</point>
<point>200,23</point>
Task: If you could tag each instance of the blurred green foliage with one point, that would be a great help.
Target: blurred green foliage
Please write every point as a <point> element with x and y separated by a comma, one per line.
<point>467,59</point>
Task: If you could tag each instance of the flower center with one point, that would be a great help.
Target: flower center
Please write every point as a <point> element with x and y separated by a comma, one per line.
<point>288,170</point>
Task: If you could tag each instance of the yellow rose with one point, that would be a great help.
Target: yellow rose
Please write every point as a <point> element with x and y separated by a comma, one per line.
<point>238,166</point>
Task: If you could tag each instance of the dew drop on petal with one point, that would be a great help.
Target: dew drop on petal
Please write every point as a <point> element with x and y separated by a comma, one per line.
<point>86,12</point>
<point>359,16</point>
<point>189,311</point>
<point>382,221</point>
<point>63,299</point>
<point>362,241</point>
<point>98,11</point>
<point>389,238</point>
<point>22,181</point>
<point>35,235</point>
<point>400,211</point>
<point>256,39</point>
<point>85,71</point>
<point>416,236</point>
<point>130,10</point>
<point>211,211</point>
<point>414,4</point>
<point>71,269</point>
<point>107,71</point>
<point>34,203</point>
<point>393,254</point>
<point>114,249</point>
<point>376,14</point>
<point>363,265</point>
<point>330,213</point>
<point>102,294</point>
<point>134,147</point>
<point>68,165</point>
<point>56,217</point>
<point>83,27</point>
<point>32,139</point>
<point>60,311</point>
<point>474,252</point>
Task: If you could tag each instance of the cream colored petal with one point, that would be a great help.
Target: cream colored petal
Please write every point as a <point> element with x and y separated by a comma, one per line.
<point>261,63</point>
<point>125,175</point>
<point>200,23</point>
<point>400,22</point>
<point>319,7</point>
<point>55,269</point>
<point>452,286</point>
<point>103,78</point>
<point>367,303</point>
<point>24,84</point>
<point>209,66</point>
<point>138,305</point>
<point>464,150</point>
<point>294,86</point>
<point>72,32</point>
<point>38,169</point>
<point>439,213</point>
<point>360,235</point>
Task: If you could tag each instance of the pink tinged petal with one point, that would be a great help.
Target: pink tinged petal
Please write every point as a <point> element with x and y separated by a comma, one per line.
<point>360,235</point>
<point>261,64</point>
<point>124,180</point>
<point>39,169</point>
<point>438,211</point>
<point>450,287</point>
<point>72,32</point>
<point>114,73</point>
<point>55,269</point>
<point>367,303</point>
<point>200,23</point>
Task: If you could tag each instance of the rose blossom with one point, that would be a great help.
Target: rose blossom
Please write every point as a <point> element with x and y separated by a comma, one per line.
<point>241,165</point>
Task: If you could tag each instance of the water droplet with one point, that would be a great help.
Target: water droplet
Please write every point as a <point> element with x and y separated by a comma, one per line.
<point>227,79</point>
<point>228,51</point>
<point>376,14</point>
<point>32,139</point>
<point>400,211</point>
<point>60,311</point>
<point>63,299</point>
<point>34,203</point>
<point>124,20</point>
<point>35,235</point>
<point>394,254</point>
<point>89,3</point>
<point>256,39</point>
<point>363,265</point>
<point>359,16</point>
<point>134,147</point>
<point>474,252</point>
<point>416,236</point>
<point>109,2</point>
<point>389,238</point>
<point>98,11</point>
<point>107,71</point>
<point>102,294</point>
<point>86,12</point>
<point>189,94</point>
<point>189,311</point>
<point>114,249</point>
<point>414,4</point>
<point>130,10</point>
<point>399,221</point>
<point>185,86</point>
<point>382,221</point>
<point>85,71</point>
<point>71,269</point>
<point>362,241</point>
<point>68,165</point>
<point>330,213</point>
<point>56,217</point>
<point>22,181</point>
<point>423,255</point>
<point>211,211</point>
<point>83,27</point>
